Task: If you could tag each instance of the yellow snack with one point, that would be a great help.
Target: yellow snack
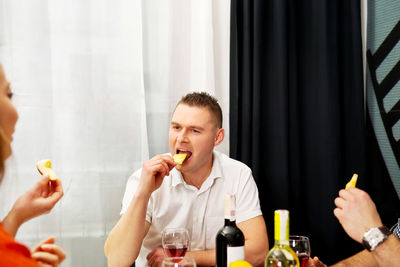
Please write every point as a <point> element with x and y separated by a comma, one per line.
<point>353,181</point>
<point>240,263</point>
<point>44,167</point>
<point>179,158</point>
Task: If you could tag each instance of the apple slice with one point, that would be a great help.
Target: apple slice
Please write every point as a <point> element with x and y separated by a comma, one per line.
<point>44,167</point>
<point>179,158</point>
<point>353,181</point>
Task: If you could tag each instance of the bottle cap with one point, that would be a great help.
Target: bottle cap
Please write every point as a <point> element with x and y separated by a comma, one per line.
<point>281,225</point>
<point>230,206</point>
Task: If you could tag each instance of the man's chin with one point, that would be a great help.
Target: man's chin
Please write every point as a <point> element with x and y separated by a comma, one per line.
<point>182,168</point>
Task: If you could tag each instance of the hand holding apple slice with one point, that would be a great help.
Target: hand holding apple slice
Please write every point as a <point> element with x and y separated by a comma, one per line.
<point>44,167</point>
<point>179,158</point>
<point>353,181</point>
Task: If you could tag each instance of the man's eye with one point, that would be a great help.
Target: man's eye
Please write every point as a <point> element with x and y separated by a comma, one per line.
<point>195,131</point>
<point>10,95</point>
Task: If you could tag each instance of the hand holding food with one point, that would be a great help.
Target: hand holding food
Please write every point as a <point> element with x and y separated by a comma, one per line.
<point>38,200</point>
<point>356,212</point>
<point>44,167</point>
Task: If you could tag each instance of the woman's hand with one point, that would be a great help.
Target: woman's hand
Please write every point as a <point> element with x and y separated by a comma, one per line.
<point>38,200</point>
<point>48,254</point>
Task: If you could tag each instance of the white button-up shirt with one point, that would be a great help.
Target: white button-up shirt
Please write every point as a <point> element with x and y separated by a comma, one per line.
<point>201,211</point>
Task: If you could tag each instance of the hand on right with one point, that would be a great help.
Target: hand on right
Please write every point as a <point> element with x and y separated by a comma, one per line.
<point>153,172</point>
<point>356,212</point>
<point>315,262</point>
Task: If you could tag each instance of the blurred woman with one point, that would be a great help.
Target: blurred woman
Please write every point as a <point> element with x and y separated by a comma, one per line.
<point>38,200</point>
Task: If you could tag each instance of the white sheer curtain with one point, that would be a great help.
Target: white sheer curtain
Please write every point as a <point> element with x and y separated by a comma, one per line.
<point>95,82</point>
<point>186,48</point>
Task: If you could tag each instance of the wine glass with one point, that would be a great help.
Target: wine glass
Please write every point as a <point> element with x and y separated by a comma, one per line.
<point>175,242</point>
<point>301,246</point>
<point>178,262</point>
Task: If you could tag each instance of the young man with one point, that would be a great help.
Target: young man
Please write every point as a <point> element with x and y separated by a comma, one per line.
<point>357,214</point>
<point>163,195</point>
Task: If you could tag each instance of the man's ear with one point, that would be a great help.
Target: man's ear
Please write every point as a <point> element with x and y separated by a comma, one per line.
<point>219,136</point>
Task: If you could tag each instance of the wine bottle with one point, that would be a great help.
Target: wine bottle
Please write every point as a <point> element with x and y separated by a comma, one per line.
<point>281,254</point>
<point>230,239</point>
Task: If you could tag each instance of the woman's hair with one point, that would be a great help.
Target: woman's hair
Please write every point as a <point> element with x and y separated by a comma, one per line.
<point>3,152</point>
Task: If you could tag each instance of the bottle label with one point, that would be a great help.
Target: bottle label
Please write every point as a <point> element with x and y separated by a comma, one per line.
<point>234,254</point>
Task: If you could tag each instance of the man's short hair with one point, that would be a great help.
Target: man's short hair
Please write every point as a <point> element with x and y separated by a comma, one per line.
<point>205,100</point>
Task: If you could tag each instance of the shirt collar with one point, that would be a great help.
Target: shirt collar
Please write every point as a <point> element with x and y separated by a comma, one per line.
<point>216,172</point>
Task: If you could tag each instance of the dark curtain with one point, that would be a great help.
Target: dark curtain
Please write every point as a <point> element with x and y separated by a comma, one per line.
<point>297,113</point>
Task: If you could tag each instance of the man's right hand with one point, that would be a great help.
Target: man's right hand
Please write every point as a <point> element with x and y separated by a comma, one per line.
<point>153,172</point>
<point>125,240</point>
<point>356,212</point>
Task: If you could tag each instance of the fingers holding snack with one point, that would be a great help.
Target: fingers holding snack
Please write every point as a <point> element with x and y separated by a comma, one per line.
<point>54,188</point>
<point>153,172</point>
<point>44,167</point>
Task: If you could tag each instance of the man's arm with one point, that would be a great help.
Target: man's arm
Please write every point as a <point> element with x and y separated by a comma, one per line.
<point>125,239</point>
<point>256,240</point>
<point>357,214</point>
<point>203,257</point>
<point>363,258</point>
<point>386,254</point>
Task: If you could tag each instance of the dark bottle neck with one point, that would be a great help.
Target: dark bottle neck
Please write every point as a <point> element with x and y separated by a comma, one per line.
<point>228,222</point>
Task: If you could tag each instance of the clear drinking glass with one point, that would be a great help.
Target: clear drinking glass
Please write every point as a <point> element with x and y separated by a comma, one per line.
<point>178,262</point>
<point>301,246</point>
<point>175,242</point>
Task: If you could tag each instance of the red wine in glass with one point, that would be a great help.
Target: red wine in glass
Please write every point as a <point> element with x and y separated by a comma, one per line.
<point>303,259</point>
<point>172,251</point>
<point>175,242</point>
<point>301,246</point>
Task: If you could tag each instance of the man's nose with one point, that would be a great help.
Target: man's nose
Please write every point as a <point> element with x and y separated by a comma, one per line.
<point>182,137</point>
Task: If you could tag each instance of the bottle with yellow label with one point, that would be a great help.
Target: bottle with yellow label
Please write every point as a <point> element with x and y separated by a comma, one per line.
<point>281,254</point>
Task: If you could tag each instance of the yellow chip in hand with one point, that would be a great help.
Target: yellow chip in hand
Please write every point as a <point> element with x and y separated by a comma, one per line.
<point>179,158</point>
<point>353,181</point>
<point>44,167</point>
